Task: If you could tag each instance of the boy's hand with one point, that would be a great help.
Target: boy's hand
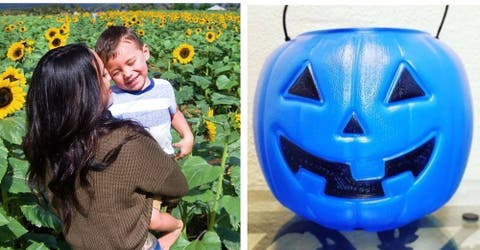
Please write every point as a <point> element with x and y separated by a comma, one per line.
<point>185,145</point>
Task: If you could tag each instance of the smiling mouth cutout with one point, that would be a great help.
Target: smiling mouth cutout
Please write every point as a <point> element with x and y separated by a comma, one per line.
<point>339,179</point>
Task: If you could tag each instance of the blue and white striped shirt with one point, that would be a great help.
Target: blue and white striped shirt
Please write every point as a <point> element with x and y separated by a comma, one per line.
<point>152,107</point>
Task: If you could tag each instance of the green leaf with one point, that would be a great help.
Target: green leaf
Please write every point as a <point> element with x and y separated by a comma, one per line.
<point>235,177</point>
<point>3,160</point>
<point>199,172</point>
<point>230,238</point>
<point>197,195</point>
<point>201,81</point>
<point>234,148</point>
<point>196,245</point>
<point>214,50</point>
<point>3,218</point>
<point>37,246</point>
<point>211,241</point>
<point>12,128</point>
<point>169,75</point>
<point>222,69</point>
<point>48,239</point>
<point>11,231</point>
<point>232,206</point>
<point>219,99</point>
<point>40,217</point>
<point>7,248</point>
<point>224,83</point>
<point>183,94</point>
<point>187,68</point>
<point>17,183</point>
<point>199,62</point>
<point>16,228</point>
<point>181,243</point>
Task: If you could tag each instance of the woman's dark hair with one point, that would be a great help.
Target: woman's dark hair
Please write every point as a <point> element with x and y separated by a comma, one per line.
<point>65,117</point>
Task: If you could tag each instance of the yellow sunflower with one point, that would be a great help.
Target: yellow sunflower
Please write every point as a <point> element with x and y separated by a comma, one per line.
<point>184,53</point>
<point>237,120</point>
<point>210,36</point>
<point>188,32</point>
<point>65,27</point>
<point>57,41</point>
<point>140,32</point>
<point>16,51</point>
<point>224,25</point>
<point>12,98</point>
<point>51,32</point>
<point>29,43</point>
<point>11,74</point>
<point>64,30</point>
<point>211,129</point>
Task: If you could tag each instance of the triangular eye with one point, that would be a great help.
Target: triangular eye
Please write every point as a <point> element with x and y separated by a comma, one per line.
<point>304,86</point>
<point>353,126</point>
<point>405,87</point>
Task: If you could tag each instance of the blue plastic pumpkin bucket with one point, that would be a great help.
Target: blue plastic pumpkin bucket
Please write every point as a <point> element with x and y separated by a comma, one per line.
<point>363,128</point>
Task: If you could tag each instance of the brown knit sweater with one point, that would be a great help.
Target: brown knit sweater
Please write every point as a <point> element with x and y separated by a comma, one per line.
<point>119,215</point>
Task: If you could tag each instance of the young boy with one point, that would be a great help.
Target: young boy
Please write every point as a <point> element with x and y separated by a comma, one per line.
<point>149,101</point>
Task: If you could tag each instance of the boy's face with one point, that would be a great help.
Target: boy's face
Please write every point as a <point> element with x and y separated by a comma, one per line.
<point>129,68</point>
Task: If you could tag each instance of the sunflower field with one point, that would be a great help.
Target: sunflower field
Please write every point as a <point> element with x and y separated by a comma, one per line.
<point>198,52</point>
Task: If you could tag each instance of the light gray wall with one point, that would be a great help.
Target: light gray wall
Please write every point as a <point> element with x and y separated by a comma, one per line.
<point>461,32</point>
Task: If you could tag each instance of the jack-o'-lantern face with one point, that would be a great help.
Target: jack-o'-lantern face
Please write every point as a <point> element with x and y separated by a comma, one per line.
<point>338,175</point>
<point>363,128</point>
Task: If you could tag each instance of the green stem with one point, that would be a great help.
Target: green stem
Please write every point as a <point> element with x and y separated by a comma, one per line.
<point>213,212</point>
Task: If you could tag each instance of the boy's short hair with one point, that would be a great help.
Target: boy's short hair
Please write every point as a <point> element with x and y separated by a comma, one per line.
<point>108,41</point>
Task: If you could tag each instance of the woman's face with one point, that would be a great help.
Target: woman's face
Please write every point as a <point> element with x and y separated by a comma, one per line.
<point>104,79</point>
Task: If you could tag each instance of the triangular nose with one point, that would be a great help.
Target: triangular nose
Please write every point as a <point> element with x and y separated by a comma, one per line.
<point>353,126</point>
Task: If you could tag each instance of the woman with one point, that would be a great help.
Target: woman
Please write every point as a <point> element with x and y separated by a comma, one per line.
<point>97,170</point>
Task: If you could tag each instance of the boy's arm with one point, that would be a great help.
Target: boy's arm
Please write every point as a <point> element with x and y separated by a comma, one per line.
<point>164,222</point>
<point>180,124</point>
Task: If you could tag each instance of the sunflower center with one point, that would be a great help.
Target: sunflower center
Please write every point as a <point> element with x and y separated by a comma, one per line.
<point>56,42</point>
<point>184,52</point>
<point>6,97</point>
<point>18,53</point>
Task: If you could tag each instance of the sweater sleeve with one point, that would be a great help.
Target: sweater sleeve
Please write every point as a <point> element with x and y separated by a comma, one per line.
<point>153,170</point>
